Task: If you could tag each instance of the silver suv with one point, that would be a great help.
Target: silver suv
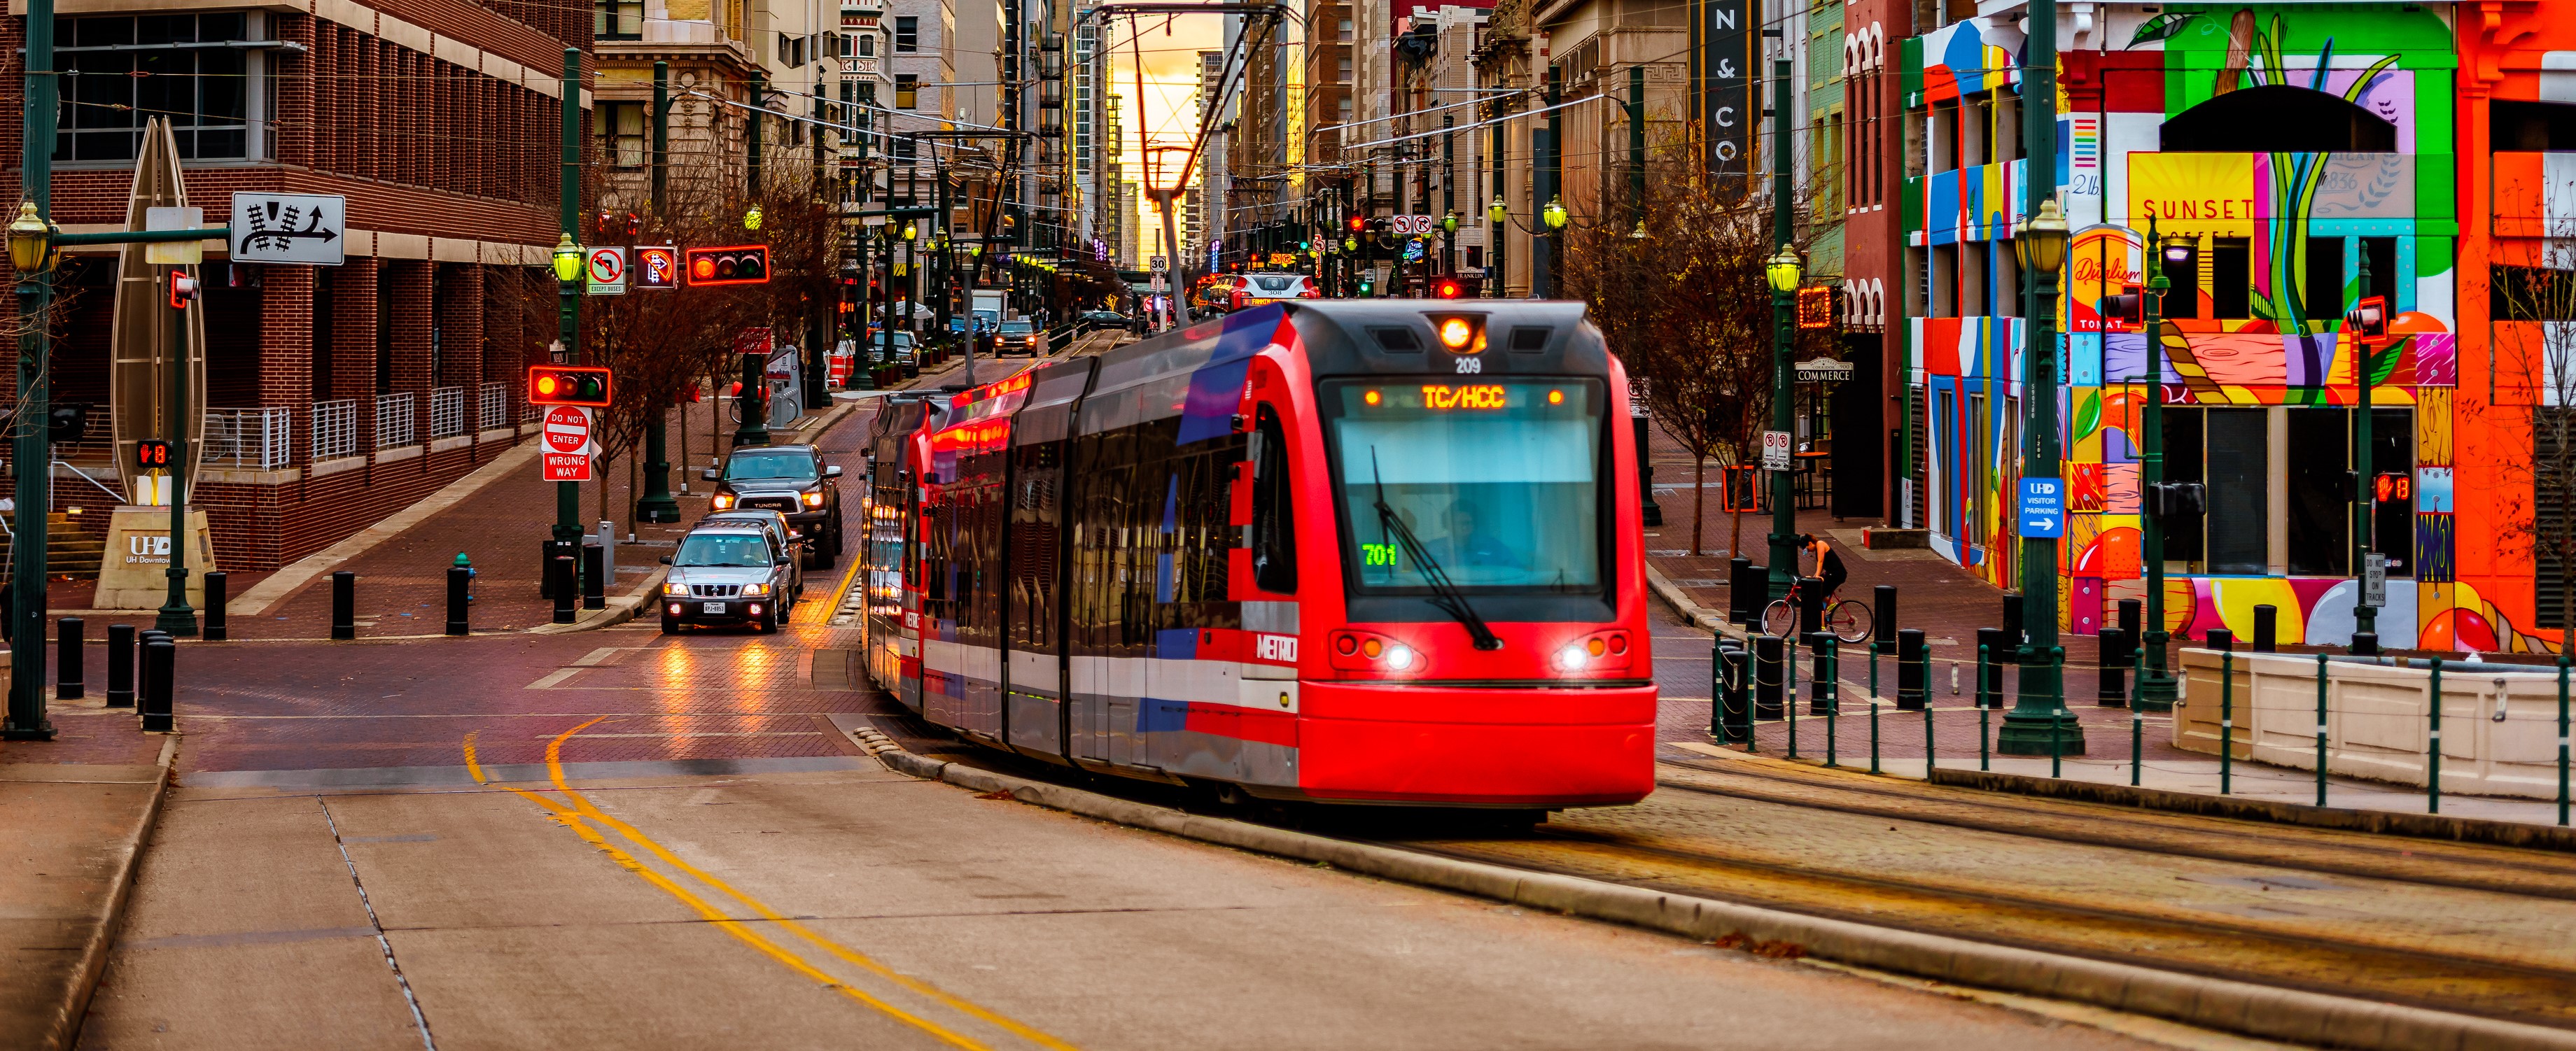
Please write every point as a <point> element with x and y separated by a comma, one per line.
<point>729,575</point>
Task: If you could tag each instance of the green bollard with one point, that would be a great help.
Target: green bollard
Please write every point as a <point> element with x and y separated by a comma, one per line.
<point>1985,731</point>
<point>1873,734</point>
<point>2562,739</point>
<point>2226,719</point>
<point>2057,712</point>
<point>1931,755</point>
<point>1873,670</point>
<point>1982,658</point>
<point>1789,695</point>
<point>2321,729</point>
<point>2433,748</point>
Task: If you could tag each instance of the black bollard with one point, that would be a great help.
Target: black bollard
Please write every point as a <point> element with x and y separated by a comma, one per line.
<point>2013,636</point>
<point>2365,644</point>
<point>1740,590</point>
<point>2267,623</point>
<point>1999,652</point>
<point>1725,688</point>
<point>458,623</point>
<point>554,549</point>
<point>2131,612</point>
<point>1811,606</point>
<point>215,599</point>
<point>160,671</point>
<point>594,590</point>
<point>1770,667</point>
<point>1822,698</point>
<point>2113,691</point>
<point>1883,610</point>
<point>1913,670</point>
<point>2221,639</point>
<point>560,572</point>
<point>67,660</point>
<point>344,604</point>
<point>120,665</point>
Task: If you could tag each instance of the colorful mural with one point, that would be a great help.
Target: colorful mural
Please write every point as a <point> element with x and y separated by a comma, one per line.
<point>2279,243</point>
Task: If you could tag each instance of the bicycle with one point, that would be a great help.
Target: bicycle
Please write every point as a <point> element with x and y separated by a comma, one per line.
<point>1850,620</point>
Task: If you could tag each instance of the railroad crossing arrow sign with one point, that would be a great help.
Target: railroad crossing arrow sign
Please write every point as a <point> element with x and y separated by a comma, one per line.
<point>566,455</point>
<point>309,229</point>
<point>607,270</point>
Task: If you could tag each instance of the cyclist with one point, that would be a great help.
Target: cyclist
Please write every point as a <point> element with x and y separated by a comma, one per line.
<point>1829,566</point>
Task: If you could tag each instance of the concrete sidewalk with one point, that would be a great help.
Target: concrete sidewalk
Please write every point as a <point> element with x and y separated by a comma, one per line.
<point>71,836</point>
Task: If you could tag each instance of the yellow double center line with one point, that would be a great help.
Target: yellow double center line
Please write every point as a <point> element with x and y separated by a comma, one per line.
<point>581,815</point>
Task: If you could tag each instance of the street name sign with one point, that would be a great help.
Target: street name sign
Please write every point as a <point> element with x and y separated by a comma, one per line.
<point>2043,508</point>
<point>1775,450</point>
<point>606,270</point>
<point>309,229</point>
<point>566,455</point>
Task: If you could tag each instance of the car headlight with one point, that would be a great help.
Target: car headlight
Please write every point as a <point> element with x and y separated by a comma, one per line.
<point>724,501</point>
<point>675,589</point>
<point>755,589</point>
<point>814,499</point>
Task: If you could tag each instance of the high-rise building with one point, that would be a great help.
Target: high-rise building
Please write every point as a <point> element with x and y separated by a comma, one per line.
<point>1132,219</point>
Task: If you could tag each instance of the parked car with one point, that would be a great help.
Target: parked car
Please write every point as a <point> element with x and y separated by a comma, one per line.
<point>1258,289</point>
<point>729,574</point>
<point>792,480</point>
<point>1100,320</point>
<point>780,533</point>
<point>1019,336</point>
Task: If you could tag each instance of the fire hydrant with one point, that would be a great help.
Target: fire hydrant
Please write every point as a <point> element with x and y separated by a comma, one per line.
<point>470,574</point>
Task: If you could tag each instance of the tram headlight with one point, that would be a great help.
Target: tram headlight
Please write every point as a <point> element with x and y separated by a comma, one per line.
<point>1573,658</point>
<point>1399,656</point>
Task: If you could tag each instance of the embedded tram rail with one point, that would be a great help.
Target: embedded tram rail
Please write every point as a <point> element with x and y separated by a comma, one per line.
<point>2467,929</point>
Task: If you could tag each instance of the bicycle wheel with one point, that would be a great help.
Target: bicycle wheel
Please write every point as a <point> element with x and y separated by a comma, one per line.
<point>1850,620</point>
<point>1780,618</point>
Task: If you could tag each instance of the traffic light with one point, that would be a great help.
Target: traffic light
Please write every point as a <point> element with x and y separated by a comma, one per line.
<point>2393,487</point>
<point>1447,288</point>
<point>736,265</point>
<point>183,290</point>
<point>66,422</point>
<point>567,385</point>
<point>2369,318</point>
<point>1355,223</point>
<point>152,454</point>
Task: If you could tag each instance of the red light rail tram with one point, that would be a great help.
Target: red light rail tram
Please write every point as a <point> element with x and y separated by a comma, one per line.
<point>1356,552</point>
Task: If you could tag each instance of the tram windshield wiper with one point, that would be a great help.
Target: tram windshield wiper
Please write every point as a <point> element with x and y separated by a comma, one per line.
<point>1444,592</point>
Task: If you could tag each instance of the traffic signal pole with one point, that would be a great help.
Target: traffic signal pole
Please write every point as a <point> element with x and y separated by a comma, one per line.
<point>657,504</point>
<point>31,444</point>
<point>176,616</point>
<point>568,191</point>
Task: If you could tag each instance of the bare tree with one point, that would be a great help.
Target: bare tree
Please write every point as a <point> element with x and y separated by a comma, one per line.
<point>1688,309</point>
<point>2540,302</point>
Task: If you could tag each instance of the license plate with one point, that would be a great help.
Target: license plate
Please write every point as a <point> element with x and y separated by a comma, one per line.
<point>711,607</point>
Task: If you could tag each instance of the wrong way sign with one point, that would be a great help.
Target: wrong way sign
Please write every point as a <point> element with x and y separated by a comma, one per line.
<point>566,455</point>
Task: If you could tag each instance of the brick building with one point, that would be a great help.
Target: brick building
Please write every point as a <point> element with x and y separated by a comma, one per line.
<point>337,395</point>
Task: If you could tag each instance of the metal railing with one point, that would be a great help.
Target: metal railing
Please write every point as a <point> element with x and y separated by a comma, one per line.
<point>493,408</point>
<point>255,439</point>
<point>395,426</point>
<point>335,429</point>
<point>446,412</point>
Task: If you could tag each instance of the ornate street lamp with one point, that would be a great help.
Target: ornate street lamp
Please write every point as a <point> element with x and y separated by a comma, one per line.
<point>2038,723</point>
<point>1497,211</point>
<point>1638,234</point>
<point>751,219</point>
<point>30,241</point>
<point>2157,689</point>
<point>567,255</point>
<point>1555,214</point>
<point>1783,272</point>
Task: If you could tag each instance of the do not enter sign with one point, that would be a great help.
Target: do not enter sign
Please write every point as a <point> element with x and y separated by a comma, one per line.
<point>566,456</point>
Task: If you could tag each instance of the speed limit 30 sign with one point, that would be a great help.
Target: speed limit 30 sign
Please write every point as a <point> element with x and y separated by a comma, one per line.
<point>566,454</point>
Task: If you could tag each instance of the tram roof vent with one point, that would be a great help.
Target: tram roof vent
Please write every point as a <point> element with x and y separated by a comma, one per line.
<point>1530,337</point>
<point>1397,339</point>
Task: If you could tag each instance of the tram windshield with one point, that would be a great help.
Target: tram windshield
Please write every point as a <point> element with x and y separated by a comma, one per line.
<point>1498,483</point>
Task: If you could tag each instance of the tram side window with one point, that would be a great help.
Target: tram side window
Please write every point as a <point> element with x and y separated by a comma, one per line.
<point>1274,519</point>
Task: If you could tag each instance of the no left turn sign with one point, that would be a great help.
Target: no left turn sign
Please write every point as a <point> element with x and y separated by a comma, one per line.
<point>566,456</point>
<point>607,266</point>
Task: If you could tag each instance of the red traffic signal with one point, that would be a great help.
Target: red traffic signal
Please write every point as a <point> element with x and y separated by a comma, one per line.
<point>1355,222</point>
<point>152,454</point>
<point>1448,288</point>
<point>737,265</point>
<point>567,385</point>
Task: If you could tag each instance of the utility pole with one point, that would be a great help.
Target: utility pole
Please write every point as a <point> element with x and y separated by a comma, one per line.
<point>1784,496</point>
<point>1498,277</point>
<point>817,312</point>
<point>1543,148</point>
<point>31,451</point>
<point>2156,687</point>
<point>2038,723</point>
<point>568,193</point>
<point>657,504</point>
<point>176,616</point>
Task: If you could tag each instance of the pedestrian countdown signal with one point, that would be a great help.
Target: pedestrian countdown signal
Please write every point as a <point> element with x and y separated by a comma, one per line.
<point>567,385</point>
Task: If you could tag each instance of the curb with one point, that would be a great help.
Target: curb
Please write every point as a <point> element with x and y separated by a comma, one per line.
<point>618,611</point>
<point>2382,822</point>
<point>2215,1003</point>
<point>1692,613</point>
<point>63,1030</point>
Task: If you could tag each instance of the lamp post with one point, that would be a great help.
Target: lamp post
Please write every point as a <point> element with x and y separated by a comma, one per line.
<point>1783,272</point>
<point>568,267</point>
<point>2156,687</point>
<point>2365,617</point>
<point>1496,276</point>
<point>31,250</point>
<point>2037,723</point>
<point>1554,216</point>
<point>656,504</point>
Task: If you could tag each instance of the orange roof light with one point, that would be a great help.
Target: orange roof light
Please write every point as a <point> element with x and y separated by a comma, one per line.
<point>1556,397</point>
<point>1370,397</point>
<point>1455,332</point>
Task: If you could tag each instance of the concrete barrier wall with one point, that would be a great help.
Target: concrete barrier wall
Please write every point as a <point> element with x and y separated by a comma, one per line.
<point>2379,719</point>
